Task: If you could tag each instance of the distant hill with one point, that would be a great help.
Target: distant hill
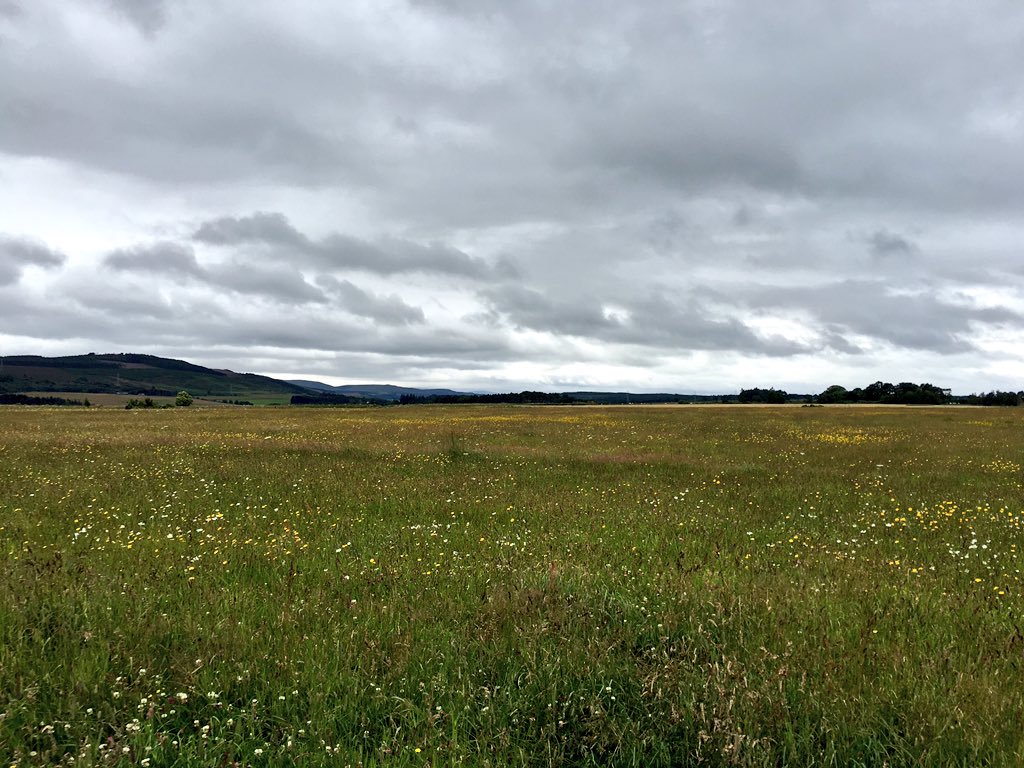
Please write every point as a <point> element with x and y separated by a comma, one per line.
<point>314,386</point>
<point>137,374</point>
<point>133,374</point>
<point>385,392</point>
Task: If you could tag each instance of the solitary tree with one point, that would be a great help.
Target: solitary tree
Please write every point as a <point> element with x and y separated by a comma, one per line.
<point>183,399</point>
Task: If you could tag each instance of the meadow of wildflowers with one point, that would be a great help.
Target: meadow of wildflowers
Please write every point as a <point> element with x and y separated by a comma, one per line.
<point>469,585</point>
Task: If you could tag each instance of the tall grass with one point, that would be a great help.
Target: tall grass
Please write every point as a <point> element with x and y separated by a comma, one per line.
<point>511,586</point>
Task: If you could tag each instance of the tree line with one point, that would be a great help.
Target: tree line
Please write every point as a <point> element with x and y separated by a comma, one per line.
<point>14,398</point>
<point>880,392</point>
<point>515,398</point>
<point>907,393</point>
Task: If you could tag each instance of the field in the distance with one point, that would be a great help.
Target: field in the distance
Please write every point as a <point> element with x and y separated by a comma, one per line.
<point>109,399</point>
<point>504,586</point>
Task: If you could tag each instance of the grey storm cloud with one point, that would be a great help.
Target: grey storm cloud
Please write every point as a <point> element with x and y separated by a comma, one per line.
<point>117,305</point>
<point>651,320</point>
<point>179,260</point>
<point>281,283</point>
<point>911,319</point>
<point>247,273</point>
<point>17,253</point>
<point>176,259</point>
<point>158,258</point>
<point>118,321</point>
<point>389,310</point>
<point>477,187</point>
<point>545,106</point>
<point>260,227</point>
<point>884,243</point>
<point>389,256</point>
<point>316,332</point>
<point>148,15</point>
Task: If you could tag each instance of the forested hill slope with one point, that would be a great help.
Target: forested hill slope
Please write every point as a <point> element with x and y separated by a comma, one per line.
<point>132,374</point>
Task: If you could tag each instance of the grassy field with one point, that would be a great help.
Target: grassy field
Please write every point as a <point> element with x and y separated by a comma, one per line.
<point>108,399</point>
<point>105,399</point>
<point>511,586</point>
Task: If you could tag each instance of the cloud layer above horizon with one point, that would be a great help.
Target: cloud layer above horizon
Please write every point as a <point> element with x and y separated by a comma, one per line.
<point>683,196</point>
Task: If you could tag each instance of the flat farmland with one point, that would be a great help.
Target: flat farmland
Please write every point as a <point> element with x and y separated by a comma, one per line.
<point>464,585</point>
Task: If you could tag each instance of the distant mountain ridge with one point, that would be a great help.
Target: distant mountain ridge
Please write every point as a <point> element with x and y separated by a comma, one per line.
<point>127,373</point>
<point>386,392</point>
<point>141,374</point>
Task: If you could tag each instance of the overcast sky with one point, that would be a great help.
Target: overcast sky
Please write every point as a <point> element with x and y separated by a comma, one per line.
<point>499,194</point>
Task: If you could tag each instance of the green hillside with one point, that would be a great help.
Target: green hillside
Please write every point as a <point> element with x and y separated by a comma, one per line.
<point>132,374</point>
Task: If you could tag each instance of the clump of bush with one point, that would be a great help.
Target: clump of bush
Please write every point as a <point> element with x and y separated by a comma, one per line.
<point>147,403</point>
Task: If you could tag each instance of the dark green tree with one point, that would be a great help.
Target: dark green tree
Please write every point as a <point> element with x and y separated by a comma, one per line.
<point>834,394</point>
<point>758,395</point>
